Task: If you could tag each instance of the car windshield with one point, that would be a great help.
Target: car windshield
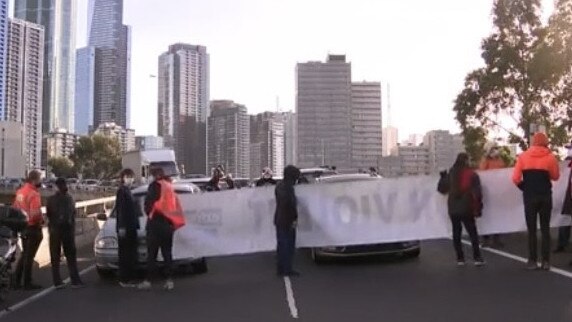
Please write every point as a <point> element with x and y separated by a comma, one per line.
<point>169,167</point>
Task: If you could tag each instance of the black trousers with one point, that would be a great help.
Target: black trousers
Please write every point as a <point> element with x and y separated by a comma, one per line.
<point>159,237</point>
<point>128,256</point>
<point>471,226</point>
<point>31,239</point>
<point>564,236</point>
<point>535,207</point>
<point>63,237</point>
<point>285,248</point>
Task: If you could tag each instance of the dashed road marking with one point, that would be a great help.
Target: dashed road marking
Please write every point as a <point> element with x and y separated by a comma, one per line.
<point>290,297</point>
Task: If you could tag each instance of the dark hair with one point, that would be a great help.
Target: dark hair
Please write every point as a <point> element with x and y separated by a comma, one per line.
<point>62,185</point>
<point>462,161</point>
<point>126,173</point>
<point>291,174</point>
<point>34,176</point>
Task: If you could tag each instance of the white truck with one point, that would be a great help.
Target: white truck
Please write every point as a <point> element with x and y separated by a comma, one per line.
<point>142,161</point>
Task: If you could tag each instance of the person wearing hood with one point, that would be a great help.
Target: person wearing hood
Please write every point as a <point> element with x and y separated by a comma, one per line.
<point>128,212</point>
<point>266,179</point>
<point>285,220</point>
<point>533,173</point>
<point>492,161</point>
<point>564,231</point>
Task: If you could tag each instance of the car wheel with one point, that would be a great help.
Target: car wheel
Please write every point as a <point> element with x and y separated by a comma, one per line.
<point>317,258</point>
<point>200,266</point>
<point>414,253</point>
<point>105,274</point>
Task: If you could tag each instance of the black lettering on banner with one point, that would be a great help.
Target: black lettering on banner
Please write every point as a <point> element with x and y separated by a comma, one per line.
<point>344,208</point>
<point>386,205</point>
<point>420,198</point>
<point>365,207</point>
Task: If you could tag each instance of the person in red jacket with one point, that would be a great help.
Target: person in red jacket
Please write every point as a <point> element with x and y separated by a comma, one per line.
<point>533,173</point>
<point>28,200</point>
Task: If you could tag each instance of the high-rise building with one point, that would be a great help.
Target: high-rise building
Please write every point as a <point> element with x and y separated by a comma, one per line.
<point>4,5</point>
<point>112,39</point>
<point>125,137</point>
<point>366,125</point>
<point>391,166</point>
<point>415,160</point>
<point>323,110</point>
<point>183,104</point>
<point>443,149</point>
<point>85,89</point>
<point>58,17</point>
<point>290,138</point>
<point>267,143</point>
<point>24,86</point>
<point>229,138</point>
<point>149,143</point>
<point>389,141</point>
<point>12,158</point>
<point>60,143</point>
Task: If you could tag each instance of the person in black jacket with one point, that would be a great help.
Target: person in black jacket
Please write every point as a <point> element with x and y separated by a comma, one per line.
<point>266,179</point>
<point>285,220</point>
<point>60,211</point>
<point>128,212</point>
<point>564,231</point>
<point>464,204</point>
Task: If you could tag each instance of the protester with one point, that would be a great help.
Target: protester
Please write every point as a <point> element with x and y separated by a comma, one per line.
<point>492,161</point>
<point>285,220</point>
<point>373,172</point>
<point>165,215</point>
<point>28,200</point>
<point>215,181</point>
<point>564,231</point>
<point>229,181</point>
<point>533,173</point>
<point>128,212</point>
<point>266,179</point>
<point>464,204</point>
<point>60,211</point>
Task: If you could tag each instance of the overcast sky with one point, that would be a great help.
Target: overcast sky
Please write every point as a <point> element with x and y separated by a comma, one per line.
<point>422,48</point>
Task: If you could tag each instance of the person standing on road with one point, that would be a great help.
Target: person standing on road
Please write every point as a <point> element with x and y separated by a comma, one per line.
<point>128,212</point>
<point>266,179</point>
<point>165,215</point>
<point>28,200</point>
<point>492,161</point>
<point>533,173</point>
<point>285,220</point>
<point>564,231</point>
<point>60,211</point>
<point>464,204</point>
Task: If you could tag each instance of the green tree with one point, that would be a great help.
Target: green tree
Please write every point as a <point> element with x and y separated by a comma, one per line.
<point>527,76</point>
<point>475,139</point>
<point>97,157</point>
<point>61,167</point>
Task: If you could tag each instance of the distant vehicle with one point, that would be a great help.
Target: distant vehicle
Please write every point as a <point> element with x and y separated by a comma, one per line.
<point>311,175</point>
<point>203,183</point>
<point>105,246</point>
<point>142,161</point>
<point>193,176</point>
<point>319,255</point>
<point>89,184</point>
<point>73,183</point>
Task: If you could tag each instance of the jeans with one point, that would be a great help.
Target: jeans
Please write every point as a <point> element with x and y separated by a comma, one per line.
<point>127,256</point>
<point>31,239</point>
<point>63,236</point>
<point>535,207</point>
<point>159,236</point>
<point>286,246</point>
<point>471,226</point>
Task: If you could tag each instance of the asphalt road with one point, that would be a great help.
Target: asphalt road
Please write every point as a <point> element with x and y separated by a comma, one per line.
<point>244,288</point>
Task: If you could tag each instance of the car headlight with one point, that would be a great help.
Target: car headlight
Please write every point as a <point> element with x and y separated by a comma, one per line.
<point>106,243</point>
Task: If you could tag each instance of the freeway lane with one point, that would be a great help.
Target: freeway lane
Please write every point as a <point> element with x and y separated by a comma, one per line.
<point>244,288</point>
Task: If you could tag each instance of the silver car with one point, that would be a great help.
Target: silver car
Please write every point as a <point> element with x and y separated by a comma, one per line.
<point>106,244</point>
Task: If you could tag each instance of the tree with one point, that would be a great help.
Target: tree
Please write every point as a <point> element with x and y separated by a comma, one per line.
<point>97,157</point>
<point>61,167</point>
<point>527,76</point>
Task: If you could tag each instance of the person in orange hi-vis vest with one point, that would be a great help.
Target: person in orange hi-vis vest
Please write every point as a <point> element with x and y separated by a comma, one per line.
<point>28,200</point>
<point>492,161</point>
<point>165,215</point>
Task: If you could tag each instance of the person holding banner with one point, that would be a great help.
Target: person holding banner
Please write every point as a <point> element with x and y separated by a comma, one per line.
<point>464,204</point>
<point>285,219</point>
<point>564,231</point>
<point>533,173</point>
<point>492,161</point>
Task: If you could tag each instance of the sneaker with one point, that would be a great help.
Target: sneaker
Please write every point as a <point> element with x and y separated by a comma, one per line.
<point>480,262</point>
<point>144,286</point>
<point>77,286</point>
<point>127,284</point>
<point>532,265</point>
<point>59,286</point>
<point>461,262</point>
<point>169,285</point>
<point>545,266</point>
<point>32,287</point>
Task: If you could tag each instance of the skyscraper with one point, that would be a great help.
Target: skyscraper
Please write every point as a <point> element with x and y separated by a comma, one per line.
<point>443,149</point>
<point>112,40</point>
<point>366,125</point>
<point>183,104</point>
<point>58,17</point>
<point>229,138</point>
<point>267,143</point>
<point>390,137</point>
<point>3,52</point>
<point>85,90</point>
<point>323,109</point>
<point>290,138</point>
<point>24,86</point>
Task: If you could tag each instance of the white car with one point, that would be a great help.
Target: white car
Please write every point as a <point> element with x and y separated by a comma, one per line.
<point>90,185</point>
<point>106,245</point>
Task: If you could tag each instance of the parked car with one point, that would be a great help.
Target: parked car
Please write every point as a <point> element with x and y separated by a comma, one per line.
<point>89,184</point>
<point>321,254</point>
<point>106,245</point>
<point>73,183</point>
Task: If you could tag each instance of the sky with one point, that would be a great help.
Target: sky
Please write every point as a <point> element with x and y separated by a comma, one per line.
<point>423,49</point>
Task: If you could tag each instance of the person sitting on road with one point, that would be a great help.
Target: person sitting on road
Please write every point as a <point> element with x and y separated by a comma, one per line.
<point>266,178</point>
<point>464,203</point>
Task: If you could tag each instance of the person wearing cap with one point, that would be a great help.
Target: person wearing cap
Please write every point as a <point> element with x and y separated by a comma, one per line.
<point>60,211</point>
<point>533,173</point>
<point>492,161</point>
<point>266,179</point>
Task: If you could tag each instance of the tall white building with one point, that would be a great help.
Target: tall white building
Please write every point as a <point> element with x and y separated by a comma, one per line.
<point>267,143</point>
<point>389,141</point>
<point>24,86</point>
<point>125,137</point>
<point>4,13</point>
<point>290,138</point>
<point>12,158</point>
<point>60,143</point>
<point>415,160</point>
<point>184,104</point>
<point>366,125</point>
<point>85,89</point>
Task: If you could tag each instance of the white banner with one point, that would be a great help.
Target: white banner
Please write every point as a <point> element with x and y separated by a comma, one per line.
<point>336,214</point>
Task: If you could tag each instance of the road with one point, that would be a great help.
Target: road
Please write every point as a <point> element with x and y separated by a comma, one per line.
<point>244,288</point>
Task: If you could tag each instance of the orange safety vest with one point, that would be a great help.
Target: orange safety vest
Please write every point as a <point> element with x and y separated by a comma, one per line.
<point>28,200</point>
<point>169,205</point>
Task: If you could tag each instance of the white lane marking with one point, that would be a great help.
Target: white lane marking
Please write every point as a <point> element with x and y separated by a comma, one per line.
<point>290,297</point>
<point>521,259</point>
<point>38,296</point>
